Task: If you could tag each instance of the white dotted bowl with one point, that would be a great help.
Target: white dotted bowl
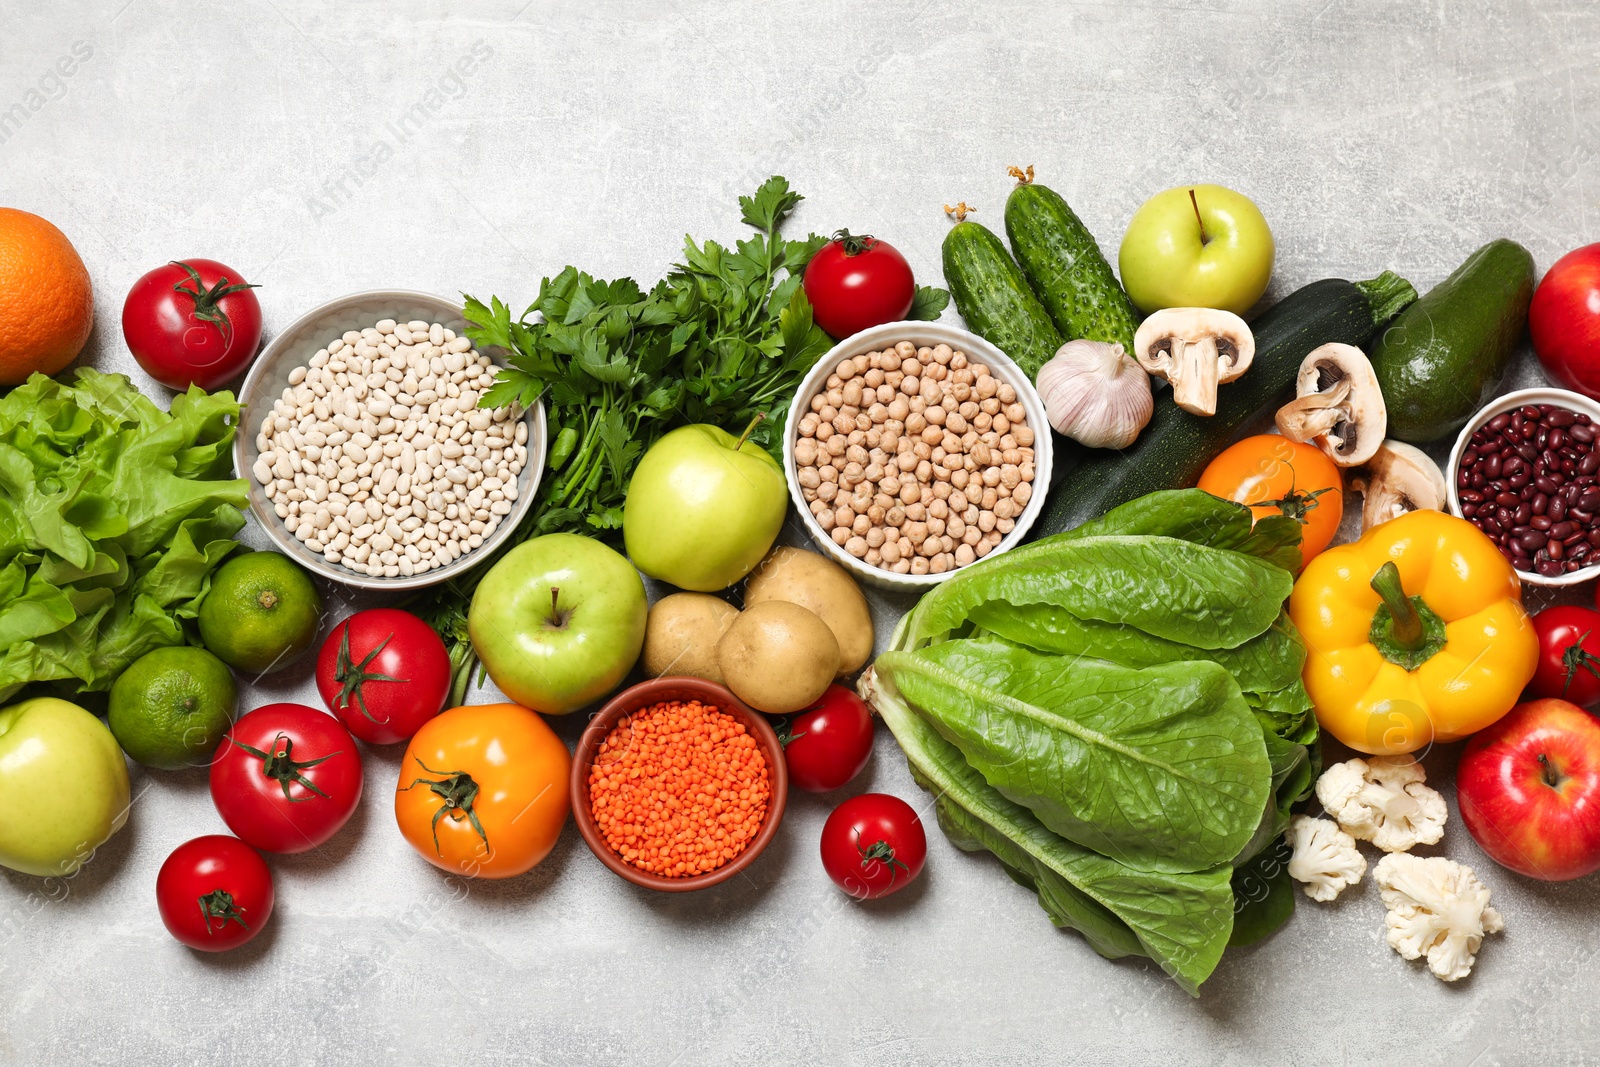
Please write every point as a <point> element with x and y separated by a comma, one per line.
<point>919,334</point>
<point>1541,395</point>
<point>294,347</point>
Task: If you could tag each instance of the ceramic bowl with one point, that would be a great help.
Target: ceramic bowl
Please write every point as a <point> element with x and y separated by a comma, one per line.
<point>1522,397</point>
<point>641,696</point>
<point>294,347</point>
<point>919,334</point>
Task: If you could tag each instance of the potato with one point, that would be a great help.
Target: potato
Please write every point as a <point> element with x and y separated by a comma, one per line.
<point>820,586</point>
<point>778,657</point>
<point>681,635</point>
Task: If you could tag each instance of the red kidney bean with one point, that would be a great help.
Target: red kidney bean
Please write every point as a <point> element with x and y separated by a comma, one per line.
<point>1530,480</point>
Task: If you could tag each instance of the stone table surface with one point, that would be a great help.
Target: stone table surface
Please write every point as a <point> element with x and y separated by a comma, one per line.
<point>453,146</point>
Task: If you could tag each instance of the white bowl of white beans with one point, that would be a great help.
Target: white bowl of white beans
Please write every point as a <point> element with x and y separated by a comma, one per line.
<point>439,482</point>
<point>903,495</point>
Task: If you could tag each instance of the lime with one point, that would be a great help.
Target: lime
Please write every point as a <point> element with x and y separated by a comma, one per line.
<point>262,612</point>
<point>170,708</point>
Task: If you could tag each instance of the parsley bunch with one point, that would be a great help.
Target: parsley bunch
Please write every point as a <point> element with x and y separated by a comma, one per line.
<point>724,339</point>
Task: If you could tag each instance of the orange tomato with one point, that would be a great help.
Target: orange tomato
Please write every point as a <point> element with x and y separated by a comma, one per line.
<point>483,790</point>
<point>1277,476</point>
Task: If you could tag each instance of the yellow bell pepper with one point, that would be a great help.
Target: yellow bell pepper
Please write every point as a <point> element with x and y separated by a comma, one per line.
<point>1414,634</point>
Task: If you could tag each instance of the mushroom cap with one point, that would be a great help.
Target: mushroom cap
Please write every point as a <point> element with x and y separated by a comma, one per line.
<point>1399,478</point>
<point>1338,405</point>
<point>1235,344</point>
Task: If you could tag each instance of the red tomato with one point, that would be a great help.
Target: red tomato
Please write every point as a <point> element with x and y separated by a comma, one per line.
<point>286,777</point>
<point>384,672</point>
<point>828,744</point>
<point>195,322</point>
<point>1564,320</point>
<point>873,845</point>
<point>214,893</point>
<point>1569,654</point>
<point>857,282</point>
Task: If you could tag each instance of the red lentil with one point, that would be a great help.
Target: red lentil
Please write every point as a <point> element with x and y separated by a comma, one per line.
<point>678,789</point>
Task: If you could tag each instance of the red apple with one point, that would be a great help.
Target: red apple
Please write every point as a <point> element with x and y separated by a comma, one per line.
<point>1529,790</point>
<point>1564,320</point>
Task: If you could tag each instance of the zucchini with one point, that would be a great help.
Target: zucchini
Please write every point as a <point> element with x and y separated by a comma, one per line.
<point>1176,446</point>
<point>1446,353</point>
<point>994,297</point>
<point>1063,264</point>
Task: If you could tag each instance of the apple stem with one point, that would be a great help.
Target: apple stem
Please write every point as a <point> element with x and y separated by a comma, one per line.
<point>555,600</point>
<point>1547,771</point>
<point>748,430</point>
<point>1204,240</point>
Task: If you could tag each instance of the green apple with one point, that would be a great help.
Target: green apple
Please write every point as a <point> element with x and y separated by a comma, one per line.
<point>1196,246</point>
<point>558,622</point>
<point>703,508</point>
<point>63,786</point>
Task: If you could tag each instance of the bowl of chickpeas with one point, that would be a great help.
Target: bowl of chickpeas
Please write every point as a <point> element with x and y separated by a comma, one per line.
<point>914,449</point>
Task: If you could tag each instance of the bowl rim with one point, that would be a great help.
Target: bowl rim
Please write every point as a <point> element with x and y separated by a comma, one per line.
<point>973,345</point>
<point>1538,394</point>
<point>283,541</point>
<point>641,695</point>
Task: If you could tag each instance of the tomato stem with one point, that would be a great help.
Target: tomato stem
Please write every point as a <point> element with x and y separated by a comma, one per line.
<point>881,852</point>
<point>1576,658</point>
<point>218,905</point>
<point>351,675</point>
<point>207,305</point>
<point>282,767</point>
<point>854,244</point>
<point>459,792</point>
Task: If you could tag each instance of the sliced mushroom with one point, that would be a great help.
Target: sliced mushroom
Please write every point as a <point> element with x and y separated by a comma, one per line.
<point>1398,479</point>
<point>1338,406</point>
<point>1196,349</point>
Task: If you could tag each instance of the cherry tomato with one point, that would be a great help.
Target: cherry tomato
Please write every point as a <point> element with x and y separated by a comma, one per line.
<point>214,893</point>
<point>483,790</point>
<point>286,777</point>
<point>195,322</point>
<point>857,282</point>
<point>384,672</point>
<point>1569,654</point>
<point>1277,476</point>
<point>1564,320</point>
<point>827,744</point>
<point>873,845</point>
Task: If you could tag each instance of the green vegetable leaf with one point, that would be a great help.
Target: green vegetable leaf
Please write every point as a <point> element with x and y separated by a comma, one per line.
<point>1263,896</point>
<point>770,205</point>
<point>1179,590</point>
<point>928,303</point>
<point>1162,768</point>
<point>1195,515</point>
<point>1181,921</point>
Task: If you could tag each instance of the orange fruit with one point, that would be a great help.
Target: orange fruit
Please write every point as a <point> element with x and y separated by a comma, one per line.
<point>46,303</point>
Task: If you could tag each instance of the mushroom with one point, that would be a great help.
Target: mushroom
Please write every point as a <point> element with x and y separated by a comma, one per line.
<point>1399,478</point>
<point>1196,349</point>
<point>1338,405</point>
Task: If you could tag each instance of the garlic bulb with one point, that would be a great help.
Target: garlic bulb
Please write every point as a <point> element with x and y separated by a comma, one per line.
<point>1096,394</point>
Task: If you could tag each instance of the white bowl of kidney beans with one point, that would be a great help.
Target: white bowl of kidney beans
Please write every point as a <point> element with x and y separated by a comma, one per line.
<point>1526,471</point>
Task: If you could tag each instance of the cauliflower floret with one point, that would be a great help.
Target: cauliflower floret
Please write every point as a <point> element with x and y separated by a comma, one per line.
<point>1325,857</point>
<point>1438,908</point>
<point>1382,799</point>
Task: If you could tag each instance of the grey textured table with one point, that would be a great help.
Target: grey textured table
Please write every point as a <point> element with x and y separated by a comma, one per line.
<point>326,148</point>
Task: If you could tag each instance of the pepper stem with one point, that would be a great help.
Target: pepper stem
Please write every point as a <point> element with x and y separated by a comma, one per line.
<point>1406,625</point>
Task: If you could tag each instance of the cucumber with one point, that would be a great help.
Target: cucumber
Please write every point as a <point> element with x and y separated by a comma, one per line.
<point>1063,264</point>
<point>994,297</point>
<point>1445,354</point>
<point>1176,446</point>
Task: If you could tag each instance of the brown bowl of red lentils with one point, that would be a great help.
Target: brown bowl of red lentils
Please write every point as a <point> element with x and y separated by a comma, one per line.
<point>677,785</point>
